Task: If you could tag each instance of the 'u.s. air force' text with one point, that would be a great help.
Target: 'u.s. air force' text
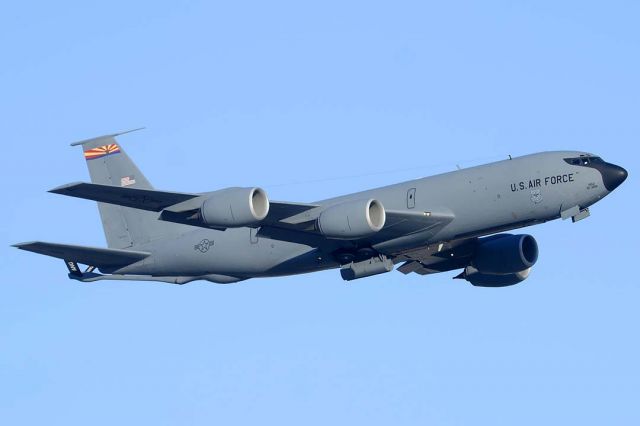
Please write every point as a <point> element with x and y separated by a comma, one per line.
<point>539,182</point>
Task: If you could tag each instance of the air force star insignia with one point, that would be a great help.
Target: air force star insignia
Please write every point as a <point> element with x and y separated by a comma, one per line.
<point>536,196</point>
<point>203,246</point>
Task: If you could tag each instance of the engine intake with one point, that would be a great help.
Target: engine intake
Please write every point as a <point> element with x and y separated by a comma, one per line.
<point>353,219</point>
<point>235,207</point>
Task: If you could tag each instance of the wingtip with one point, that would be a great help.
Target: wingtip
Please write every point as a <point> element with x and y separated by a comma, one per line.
<point>22,245</point>
<point>62,188</point>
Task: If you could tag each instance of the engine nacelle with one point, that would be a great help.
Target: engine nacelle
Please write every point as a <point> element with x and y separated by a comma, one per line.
<point>505,254</point>
<point>235,207</point>
<point>480,279</point>
<point>352,219</point>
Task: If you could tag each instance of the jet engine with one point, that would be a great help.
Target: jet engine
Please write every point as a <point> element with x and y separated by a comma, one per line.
<point>352,219</point>
<point>235,207</point>
<point>501,260</point>
<point>505,254</point>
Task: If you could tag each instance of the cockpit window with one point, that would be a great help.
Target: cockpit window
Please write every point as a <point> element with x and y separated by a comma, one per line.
<point>583,160</point>
<point>573,161</point>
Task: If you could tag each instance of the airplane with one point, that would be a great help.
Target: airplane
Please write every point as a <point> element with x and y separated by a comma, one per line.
<point>452,221</point>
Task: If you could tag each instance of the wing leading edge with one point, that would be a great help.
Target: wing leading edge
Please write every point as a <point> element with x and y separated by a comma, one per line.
<point>143,199</point>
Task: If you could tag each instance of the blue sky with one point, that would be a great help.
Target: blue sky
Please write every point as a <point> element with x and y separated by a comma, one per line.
<point>310,101</point>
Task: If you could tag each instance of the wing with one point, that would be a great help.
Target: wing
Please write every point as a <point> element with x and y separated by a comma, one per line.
<point>399,223</point>
<point>187,212</point>
<point>440,257</point>
<point>175,206</point>
<point>286,221</point>
<point>143,199</point>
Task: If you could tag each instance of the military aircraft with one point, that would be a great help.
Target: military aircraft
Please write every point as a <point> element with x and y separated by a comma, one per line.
<point>451,221</point>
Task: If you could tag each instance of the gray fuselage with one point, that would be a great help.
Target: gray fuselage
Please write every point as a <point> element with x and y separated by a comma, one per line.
<point>485,199</point>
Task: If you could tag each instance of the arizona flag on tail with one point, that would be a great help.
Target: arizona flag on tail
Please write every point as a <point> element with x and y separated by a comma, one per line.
<point>101,151</point>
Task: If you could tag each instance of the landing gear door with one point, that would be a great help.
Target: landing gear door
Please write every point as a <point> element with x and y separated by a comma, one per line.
<point>411,198</point>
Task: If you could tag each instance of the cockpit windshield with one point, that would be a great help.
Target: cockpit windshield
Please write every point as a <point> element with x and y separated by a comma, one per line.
<point>584,160</point>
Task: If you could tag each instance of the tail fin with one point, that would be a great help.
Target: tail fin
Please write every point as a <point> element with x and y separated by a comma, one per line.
<point>109,164</point>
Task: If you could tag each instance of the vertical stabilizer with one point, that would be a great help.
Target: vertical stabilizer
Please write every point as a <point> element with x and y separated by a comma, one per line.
<point>109,164</point>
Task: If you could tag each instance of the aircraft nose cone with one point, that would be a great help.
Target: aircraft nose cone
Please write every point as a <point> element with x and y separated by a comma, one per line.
<point>613,176</point>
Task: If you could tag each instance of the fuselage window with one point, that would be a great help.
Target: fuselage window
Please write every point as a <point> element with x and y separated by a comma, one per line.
<point>583,160</point>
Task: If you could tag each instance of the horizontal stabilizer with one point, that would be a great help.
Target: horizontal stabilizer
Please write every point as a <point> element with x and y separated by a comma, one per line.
<point>94,256</point>
<point>103,137</point>
<point>143,199</point>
